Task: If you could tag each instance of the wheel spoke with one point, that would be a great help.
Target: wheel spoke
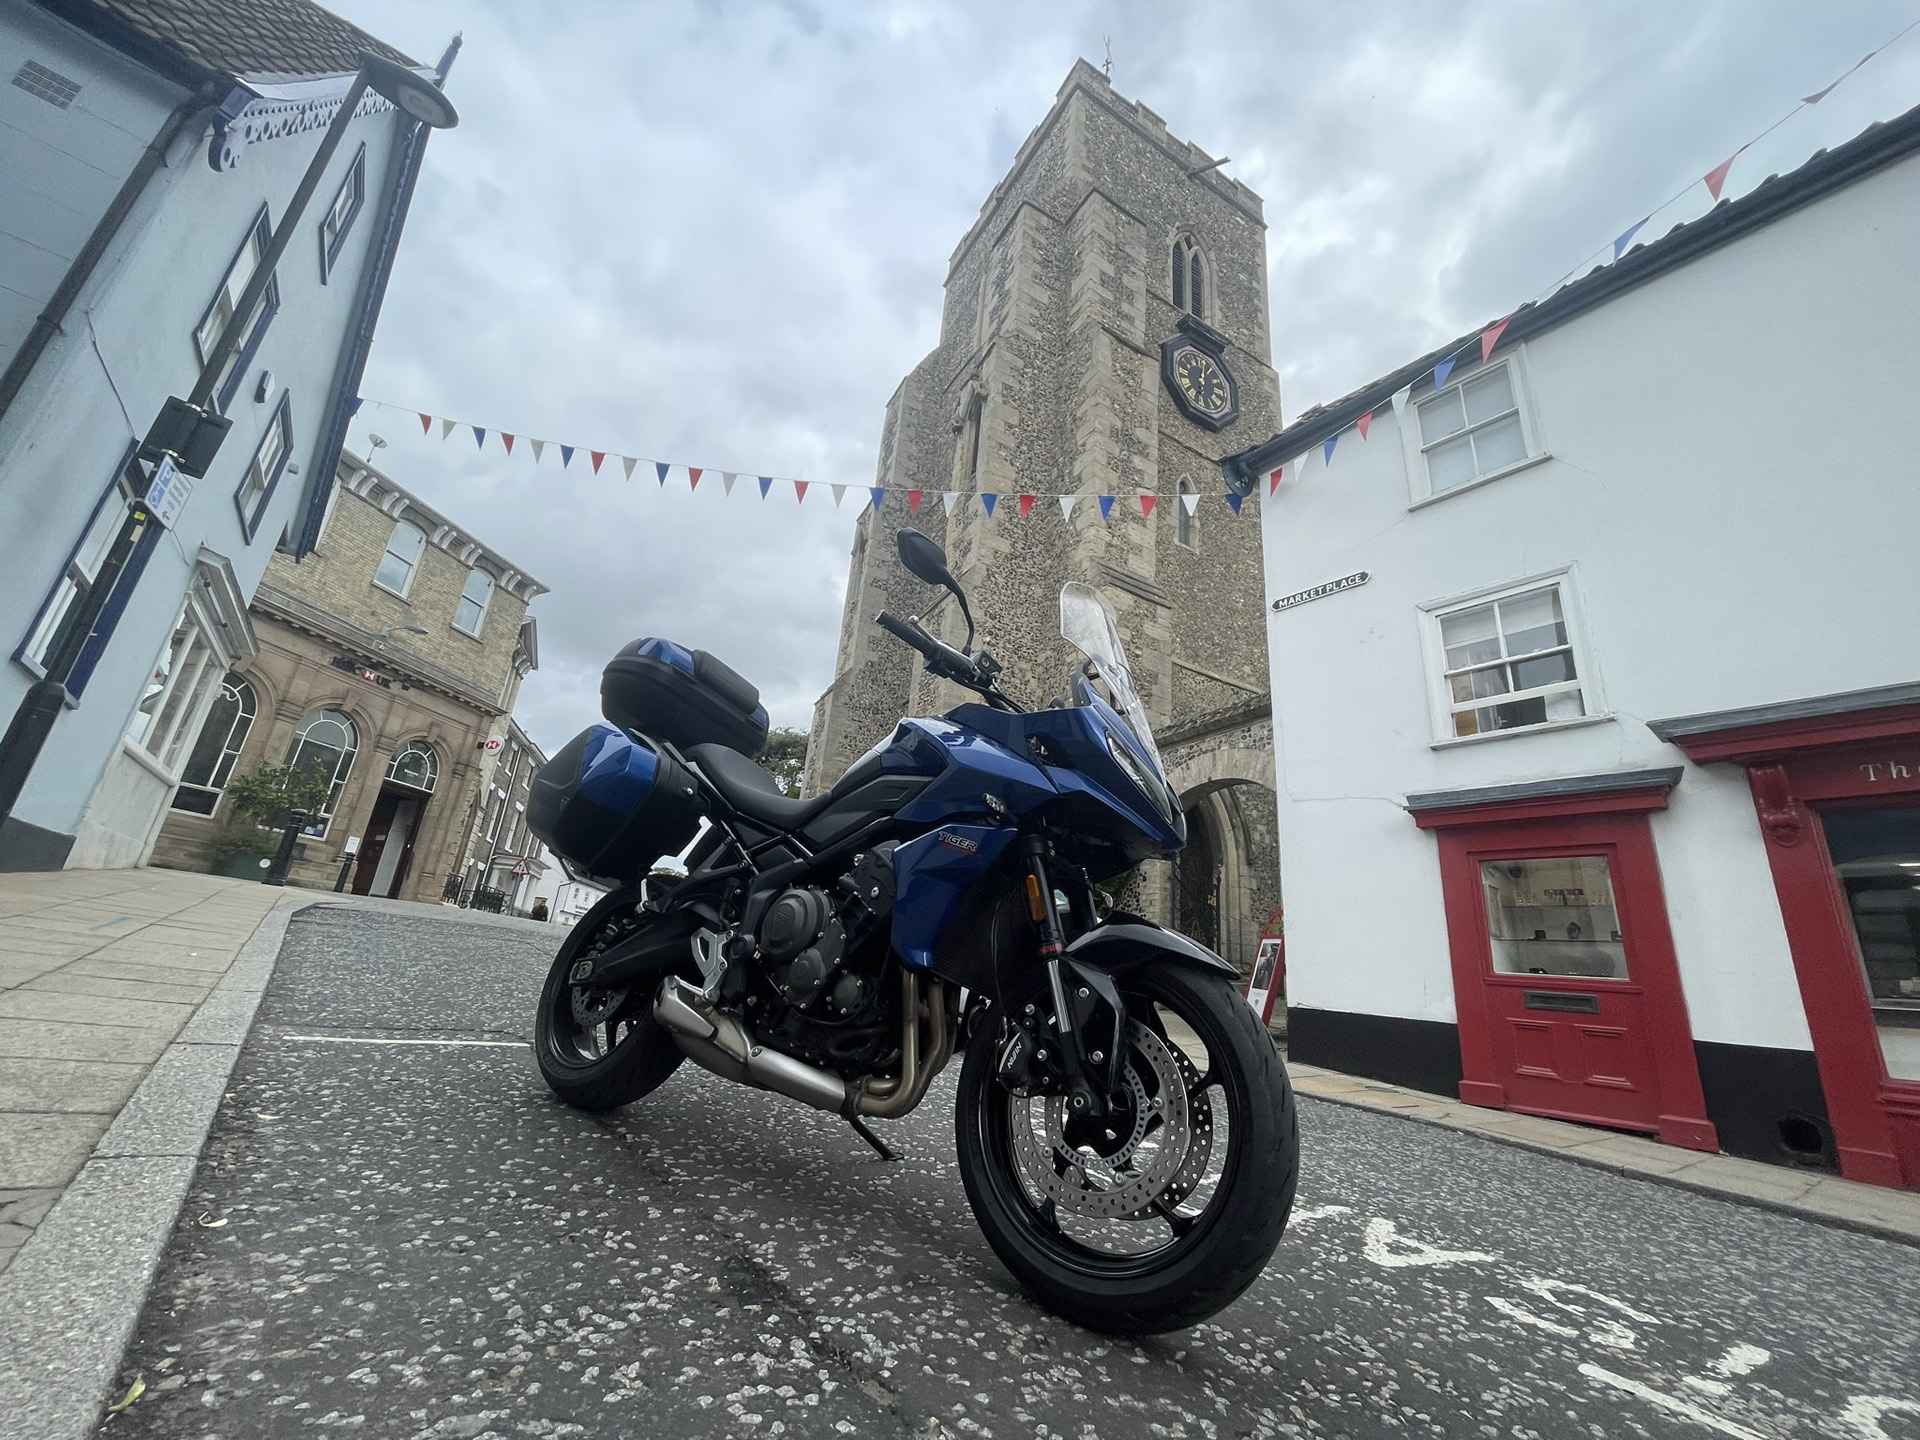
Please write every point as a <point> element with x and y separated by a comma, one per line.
<point>1176,1222</point>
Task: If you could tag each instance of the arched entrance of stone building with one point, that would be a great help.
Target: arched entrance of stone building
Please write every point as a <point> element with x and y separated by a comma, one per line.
<point>1227,880</point>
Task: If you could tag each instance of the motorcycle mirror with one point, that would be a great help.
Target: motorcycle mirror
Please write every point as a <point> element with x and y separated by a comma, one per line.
<point>924,558</point>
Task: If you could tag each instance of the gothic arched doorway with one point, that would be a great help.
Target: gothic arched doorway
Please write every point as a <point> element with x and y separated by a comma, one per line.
<point>1227,879</point>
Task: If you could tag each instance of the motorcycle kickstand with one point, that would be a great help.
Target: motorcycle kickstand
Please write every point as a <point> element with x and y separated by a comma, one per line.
<point>880,1146</point>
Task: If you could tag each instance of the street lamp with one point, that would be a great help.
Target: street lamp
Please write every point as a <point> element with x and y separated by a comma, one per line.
<point>187,434</point>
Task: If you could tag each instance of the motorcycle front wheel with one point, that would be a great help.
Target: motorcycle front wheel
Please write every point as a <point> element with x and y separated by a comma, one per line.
<point>1166,1210</point>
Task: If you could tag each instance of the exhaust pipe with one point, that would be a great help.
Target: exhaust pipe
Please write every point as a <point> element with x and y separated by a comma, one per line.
<point>713,1040</point>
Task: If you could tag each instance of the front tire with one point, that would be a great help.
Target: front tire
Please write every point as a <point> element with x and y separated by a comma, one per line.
<point>1126,1234</point>
<point>599,1049</point>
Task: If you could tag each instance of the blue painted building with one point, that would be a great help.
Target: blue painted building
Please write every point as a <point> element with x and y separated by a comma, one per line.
<point>147,148</point>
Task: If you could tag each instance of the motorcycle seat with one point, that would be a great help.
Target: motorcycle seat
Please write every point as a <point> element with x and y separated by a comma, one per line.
<point>751,790</point>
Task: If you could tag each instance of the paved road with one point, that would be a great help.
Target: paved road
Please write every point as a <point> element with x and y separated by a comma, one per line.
<point>413,1239</point>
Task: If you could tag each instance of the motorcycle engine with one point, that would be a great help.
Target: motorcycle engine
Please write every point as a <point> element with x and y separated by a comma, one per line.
<point>820,955</point>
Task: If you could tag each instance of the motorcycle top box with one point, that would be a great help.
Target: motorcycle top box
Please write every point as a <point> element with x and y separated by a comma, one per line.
<point>685,697</point>
<point>612,805</point>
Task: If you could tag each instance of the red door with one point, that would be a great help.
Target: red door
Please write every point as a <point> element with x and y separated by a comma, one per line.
<point>1568,1020</point>
<point>1566,988</point>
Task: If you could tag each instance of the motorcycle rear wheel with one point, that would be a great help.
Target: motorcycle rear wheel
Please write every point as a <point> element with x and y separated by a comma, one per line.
<point>1125,1237</point>
<point>599,1050</point>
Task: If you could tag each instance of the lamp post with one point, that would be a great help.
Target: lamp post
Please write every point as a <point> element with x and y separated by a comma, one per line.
<point>187,434</point>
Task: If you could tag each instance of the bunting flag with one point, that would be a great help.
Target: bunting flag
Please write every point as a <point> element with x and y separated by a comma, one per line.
<point>1400,401</point>
<point>660,468</point>
<point>987,497</point>
<point>1819,95</point>
<point>1190,501</point>
<point>727,477</point>
<point>353,407</point>
<point>598,457</point>
<point>1326,447</point>
<point>446,428</point>
<point>540,445</point>
<point>950,499</point>
<point>1625,237</point>
<point>879,494</point>
<point>1440,373</point>
<point>1717,176</point>
<point>1489,338</point>
<point>479,437</point>
<point>1273,483</point>
<point>1026,504</point>
<point>913,502</point>
<point>627,462</point>
<point>1066,507</point>
<point>1363,424</point>
<point>507,440</point>
<point>1146,506</point>
<point>839,494</point>
<point>426,421</point>
<point>1233,499</point>
<point>766,484</point>
<point>693,478</point>
<point>800,492</point>
<point>1106,507</point>
<point>566,456</point>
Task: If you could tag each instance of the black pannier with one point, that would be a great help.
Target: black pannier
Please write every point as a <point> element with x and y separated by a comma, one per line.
<point>684,697</point>
<point>611,805</point>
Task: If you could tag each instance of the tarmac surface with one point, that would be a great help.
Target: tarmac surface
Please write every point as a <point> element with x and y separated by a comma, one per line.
<point>395,1231</point>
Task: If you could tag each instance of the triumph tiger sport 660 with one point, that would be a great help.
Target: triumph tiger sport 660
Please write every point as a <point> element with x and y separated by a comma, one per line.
<point>1126,1132</point>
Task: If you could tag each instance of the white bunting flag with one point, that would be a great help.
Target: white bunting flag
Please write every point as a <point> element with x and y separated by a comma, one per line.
<point>839,494</point>
<point>628,462</point>
<point>1191,500</point>
<point>727,477</point>
<point>1400,401</point>
<point>446,428</point>
<point>1066,507</point>
<point>950,499</point>
<point>538,446</point>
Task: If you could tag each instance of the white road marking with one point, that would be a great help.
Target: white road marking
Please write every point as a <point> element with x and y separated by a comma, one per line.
<point>370,1040</point>
<point>1386,1246</point>
<point>1863,1413</point>
<point>1676,1405</point>
<point>1527,1317</point>
<point>1741,1360</point>
<point>1316,1212</point>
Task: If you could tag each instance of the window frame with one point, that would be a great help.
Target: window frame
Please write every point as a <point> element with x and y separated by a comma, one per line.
<point>247,709</point>
<point>1183,520</point>
<point>419,745</point>
<point>1420,480</point>
<point>485,605</point>
<point>317,828</point>
<point>249,346</point>
<point>195,666</point>
<point>1186,248</point>
<point>282,422</point>
<point>413,567</point>
<point>1586,668</point>
<point>355,180</point>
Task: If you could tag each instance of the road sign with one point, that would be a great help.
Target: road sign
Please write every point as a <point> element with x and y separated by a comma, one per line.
<point>522,868</point>
<point>167,494</point>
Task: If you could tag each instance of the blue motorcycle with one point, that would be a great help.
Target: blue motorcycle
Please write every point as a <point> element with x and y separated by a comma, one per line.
<point>1126,1131</point>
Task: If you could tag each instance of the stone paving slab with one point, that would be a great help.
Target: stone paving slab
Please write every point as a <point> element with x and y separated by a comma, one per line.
<point>1892,1214</point>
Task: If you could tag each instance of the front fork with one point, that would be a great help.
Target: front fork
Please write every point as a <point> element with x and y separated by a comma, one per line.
<point>1074,990</point>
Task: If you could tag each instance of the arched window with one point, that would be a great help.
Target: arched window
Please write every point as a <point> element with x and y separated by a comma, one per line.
<point>1189,278</point>
<point>402,558</point>
<point>415,765</point>
<point>223,736</point>
<point>327,742</point>
<point>1183,514</point>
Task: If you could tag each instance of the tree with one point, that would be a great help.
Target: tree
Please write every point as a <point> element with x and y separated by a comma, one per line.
<point>785,758</point>
<point>268,793</point>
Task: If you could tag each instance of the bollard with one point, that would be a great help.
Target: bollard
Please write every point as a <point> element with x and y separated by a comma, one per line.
<point>289,837</point>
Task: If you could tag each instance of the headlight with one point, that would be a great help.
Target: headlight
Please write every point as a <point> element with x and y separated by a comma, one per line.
<point>1154,789</point>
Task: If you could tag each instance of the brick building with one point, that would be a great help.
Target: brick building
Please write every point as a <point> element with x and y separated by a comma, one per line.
<point>391,654</point>
<point>1108,250</point>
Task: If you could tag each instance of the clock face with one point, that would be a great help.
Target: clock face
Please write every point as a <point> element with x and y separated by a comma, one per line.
<point>1201,381</point>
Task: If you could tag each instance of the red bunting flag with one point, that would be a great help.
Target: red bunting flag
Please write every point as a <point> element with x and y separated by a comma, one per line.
<point>1363,422</point>
<point>1717,176</point>
<point>1026,504</point>
<point>1490,337</point>
<point>800,492</point>
<point>426,423</point>
<point>693,478</point>
<point>1146,506</point>
<point>1273,482</point>
<point>507,440</point>
<point>598,456</point>
<point>913,502</point>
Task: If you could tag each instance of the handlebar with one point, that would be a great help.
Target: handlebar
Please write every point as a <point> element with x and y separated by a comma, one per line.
<point>976,672</point>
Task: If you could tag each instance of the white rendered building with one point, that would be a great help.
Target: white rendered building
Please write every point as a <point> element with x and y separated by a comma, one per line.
<point>1596,680</point>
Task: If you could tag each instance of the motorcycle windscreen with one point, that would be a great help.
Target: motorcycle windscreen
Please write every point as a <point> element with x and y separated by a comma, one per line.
<point>1087,623</point>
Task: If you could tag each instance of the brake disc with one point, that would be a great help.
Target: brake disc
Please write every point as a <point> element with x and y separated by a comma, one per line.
<point>595,1005</point>
<point>1146,1166</point>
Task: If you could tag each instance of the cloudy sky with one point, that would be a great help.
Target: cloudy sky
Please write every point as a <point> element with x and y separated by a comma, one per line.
<point>717,233</point>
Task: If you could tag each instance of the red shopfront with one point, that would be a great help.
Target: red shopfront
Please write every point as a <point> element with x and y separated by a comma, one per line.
<point>1836,793</point>
<point>1567,990</point>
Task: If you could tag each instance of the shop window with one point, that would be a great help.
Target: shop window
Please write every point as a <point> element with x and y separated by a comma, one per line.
<point>1508,661</point>
<point>471,612</point>
<point>415,765</point>
<point>264,470</point>
<point>327,742</point>
<point>1553,915</point>
<point>401,559</point>
<point>223,735</point>
<point>1472,430</point>
<point>337,223</point>
<point>1876,854</point>
<point>226,300</point>
<point>173,692</point>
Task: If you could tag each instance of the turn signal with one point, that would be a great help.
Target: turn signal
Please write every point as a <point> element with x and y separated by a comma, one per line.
<point>1035,906</point>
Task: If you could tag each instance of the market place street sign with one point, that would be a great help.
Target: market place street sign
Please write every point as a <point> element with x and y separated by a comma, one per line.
<point>1332,587</point>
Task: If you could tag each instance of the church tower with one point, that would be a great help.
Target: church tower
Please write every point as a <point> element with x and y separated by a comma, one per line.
<point>1104,333</point>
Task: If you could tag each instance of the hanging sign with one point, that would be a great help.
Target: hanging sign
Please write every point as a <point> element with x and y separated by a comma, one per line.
<point>167,494</point>
<point>1332,587</point>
